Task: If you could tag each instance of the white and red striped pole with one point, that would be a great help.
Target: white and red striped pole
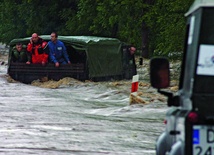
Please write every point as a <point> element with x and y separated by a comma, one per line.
<point>134,98</point>
<point>135,82</point>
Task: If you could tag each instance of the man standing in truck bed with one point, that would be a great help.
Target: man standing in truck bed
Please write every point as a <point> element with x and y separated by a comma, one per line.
<point>38,49</point>
<point>58,54</point>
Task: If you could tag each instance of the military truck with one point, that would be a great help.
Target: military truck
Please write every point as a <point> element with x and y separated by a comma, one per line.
<point>92,58</point>
<point>190,118</point>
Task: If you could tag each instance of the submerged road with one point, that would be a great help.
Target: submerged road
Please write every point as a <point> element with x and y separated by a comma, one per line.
<point>75,119</point>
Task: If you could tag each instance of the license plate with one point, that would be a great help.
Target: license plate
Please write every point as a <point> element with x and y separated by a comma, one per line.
<point>203,140</point>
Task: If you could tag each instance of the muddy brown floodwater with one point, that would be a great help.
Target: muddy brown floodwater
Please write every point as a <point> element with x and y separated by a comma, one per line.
<point>69,117</point>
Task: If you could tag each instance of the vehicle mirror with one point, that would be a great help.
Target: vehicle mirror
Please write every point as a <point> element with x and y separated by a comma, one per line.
<point>159,73</point>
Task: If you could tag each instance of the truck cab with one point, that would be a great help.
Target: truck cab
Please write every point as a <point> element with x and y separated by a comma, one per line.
<point>190,118</point>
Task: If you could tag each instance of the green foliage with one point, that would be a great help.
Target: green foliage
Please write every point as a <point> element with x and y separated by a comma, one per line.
<point>168,32</point>
<point>10,26</point>
<point>122,19</point>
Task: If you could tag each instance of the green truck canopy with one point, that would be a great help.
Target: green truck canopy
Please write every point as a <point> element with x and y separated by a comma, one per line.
<point>104,55</point>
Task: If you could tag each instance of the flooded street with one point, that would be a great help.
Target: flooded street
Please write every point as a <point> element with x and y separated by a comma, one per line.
<point>77,118</point>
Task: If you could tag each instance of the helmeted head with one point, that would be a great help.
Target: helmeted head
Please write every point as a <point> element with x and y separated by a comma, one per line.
<point>54,37</point>
<point>35,37</point>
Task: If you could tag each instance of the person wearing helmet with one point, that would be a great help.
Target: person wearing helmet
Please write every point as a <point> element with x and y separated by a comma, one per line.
<point>38,48</point>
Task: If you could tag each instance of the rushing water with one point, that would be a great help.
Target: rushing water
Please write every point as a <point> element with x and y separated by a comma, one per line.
<point>76,118</point>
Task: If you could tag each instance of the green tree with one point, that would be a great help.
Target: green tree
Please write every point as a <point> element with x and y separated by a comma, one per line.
<point>155,26</point>
<point>167,24</point>
<point>25,17</point>
<point>12,23</point>
<point>111,18</point>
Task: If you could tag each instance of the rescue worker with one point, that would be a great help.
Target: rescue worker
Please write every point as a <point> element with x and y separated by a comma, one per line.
<point>38,49</point>
<point>58,54</point>
<point>129,61</point>
<point>19,53</point>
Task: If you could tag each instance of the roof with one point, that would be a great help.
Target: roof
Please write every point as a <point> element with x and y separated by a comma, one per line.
<point>81,40</point>
<point>198,4</point>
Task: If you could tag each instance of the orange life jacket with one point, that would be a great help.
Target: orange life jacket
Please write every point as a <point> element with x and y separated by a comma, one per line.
<point>39,51</point>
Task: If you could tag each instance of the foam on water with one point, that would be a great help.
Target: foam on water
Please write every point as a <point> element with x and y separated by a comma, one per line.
<point>74,117</point>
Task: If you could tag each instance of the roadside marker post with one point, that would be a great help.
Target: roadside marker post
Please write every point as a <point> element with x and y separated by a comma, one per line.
<point>135,83</point>
<point>134,98</point>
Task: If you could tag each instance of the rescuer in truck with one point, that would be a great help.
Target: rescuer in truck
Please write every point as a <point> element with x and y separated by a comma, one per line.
<point>58,53</point>
<point>38,48</point>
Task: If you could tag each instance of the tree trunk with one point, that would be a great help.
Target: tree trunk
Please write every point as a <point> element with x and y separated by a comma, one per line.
<point>145,33</point>
<point>114,30</point>
<point>145,40</point>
